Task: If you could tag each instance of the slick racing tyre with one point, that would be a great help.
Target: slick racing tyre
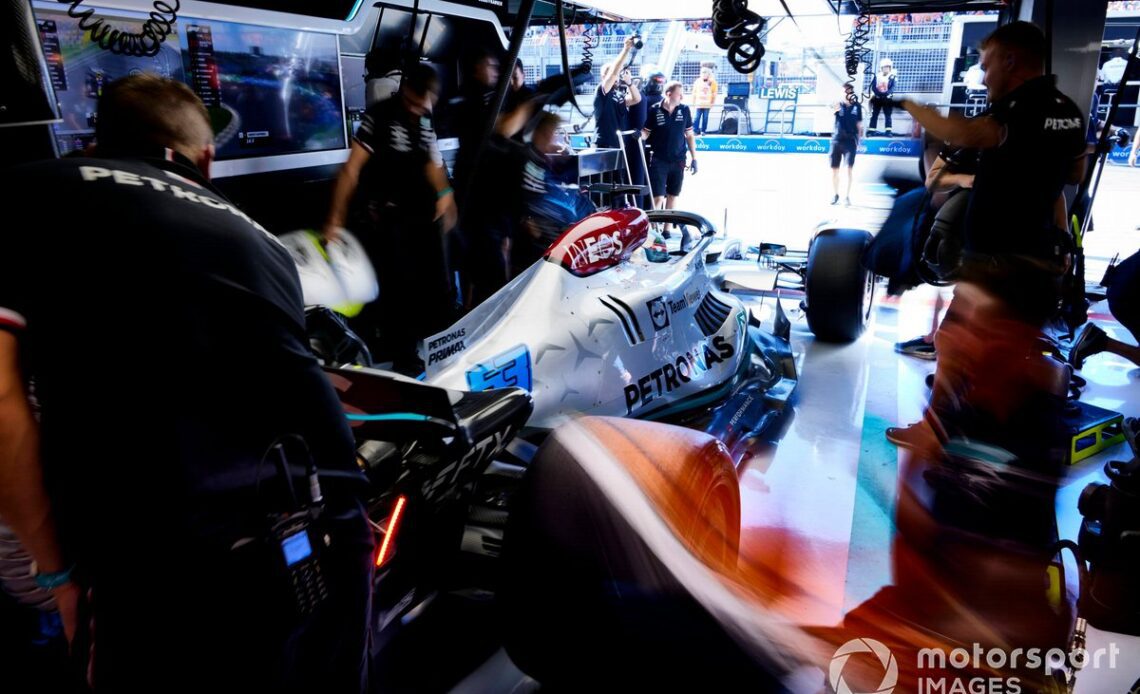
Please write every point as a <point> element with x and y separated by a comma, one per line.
<point>837,287</point>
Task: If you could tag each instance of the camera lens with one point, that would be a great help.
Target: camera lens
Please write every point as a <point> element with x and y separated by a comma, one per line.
<point>637,42</point>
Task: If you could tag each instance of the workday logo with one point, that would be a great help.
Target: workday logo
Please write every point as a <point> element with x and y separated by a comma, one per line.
<point>702,144</point>
<point>734,145</point>
<point>811,146</point>
<point>896,148</point>
<point>771,146</point>
<point>886,659</point>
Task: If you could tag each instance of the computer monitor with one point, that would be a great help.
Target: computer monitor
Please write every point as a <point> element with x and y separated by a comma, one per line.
<point>269,91</point>
<point>79,69</point>
<point>738,88</point>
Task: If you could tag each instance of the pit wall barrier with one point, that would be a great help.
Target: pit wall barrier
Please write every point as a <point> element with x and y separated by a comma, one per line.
<point>792,144</point>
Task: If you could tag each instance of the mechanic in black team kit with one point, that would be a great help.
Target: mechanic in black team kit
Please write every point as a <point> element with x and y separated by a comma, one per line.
<point>1016,248</point>
<point>410,208</point>
<point>142,485</point>
<point>960,512</point>
<point>845,141</point>
<point>669,132</point>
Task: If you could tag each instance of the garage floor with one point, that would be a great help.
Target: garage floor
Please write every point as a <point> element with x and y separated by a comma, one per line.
<point>830,482</point>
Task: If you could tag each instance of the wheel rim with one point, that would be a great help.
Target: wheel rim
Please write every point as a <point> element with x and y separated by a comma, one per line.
<point>868,297</point>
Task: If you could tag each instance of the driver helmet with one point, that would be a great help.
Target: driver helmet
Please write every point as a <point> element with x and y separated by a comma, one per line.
<point>653,80</point>
<point>657,251</point>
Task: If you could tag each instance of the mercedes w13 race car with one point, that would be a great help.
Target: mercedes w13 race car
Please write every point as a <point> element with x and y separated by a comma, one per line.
<point>606,324</point>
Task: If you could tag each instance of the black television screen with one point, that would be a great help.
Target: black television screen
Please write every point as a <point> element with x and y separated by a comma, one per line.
<point>269,91</point>
<point>79,68</point>
<point>352,68</point>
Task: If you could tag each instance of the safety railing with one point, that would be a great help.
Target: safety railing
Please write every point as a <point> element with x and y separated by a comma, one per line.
<point>916,32</point>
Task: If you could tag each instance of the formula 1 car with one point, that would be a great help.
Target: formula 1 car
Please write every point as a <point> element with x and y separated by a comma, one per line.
<point>606,325</point>
<point>603,325</point>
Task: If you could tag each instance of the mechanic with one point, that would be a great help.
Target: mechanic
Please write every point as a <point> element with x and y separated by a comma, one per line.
<point>845,141</point>
<point>634,145</point>
<point>1015,249</point>
<point>669,132</point>
<point>142,477</point>
<point>613,98</point>
<point>958,517</point>
<point>882,89</point>
<point>652,92</point>
<point>520,92</point>
<point>410,207</point>
<point>488,219</point>
<point>549,206</point>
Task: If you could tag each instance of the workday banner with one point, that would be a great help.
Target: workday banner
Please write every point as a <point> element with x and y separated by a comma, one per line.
<point>1119,155</point>
<point>792,144</point>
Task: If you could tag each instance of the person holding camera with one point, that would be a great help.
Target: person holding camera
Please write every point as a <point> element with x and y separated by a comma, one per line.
<point>615,95</point>
<point>845,141</point>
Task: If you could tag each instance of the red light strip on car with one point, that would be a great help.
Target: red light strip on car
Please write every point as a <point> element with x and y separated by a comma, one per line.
<point>390,531</point>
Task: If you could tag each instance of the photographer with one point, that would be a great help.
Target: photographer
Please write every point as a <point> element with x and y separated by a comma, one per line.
<point>615,95</point>
<point>845,141</point>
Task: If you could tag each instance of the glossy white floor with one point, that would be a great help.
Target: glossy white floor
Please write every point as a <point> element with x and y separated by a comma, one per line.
<point>831,480</point>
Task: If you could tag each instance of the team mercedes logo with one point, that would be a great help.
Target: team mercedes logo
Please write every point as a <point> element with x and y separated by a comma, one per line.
<point>886,659</point>
<point>658,313</point>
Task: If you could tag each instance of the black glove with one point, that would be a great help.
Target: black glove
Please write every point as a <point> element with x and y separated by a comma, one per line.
<point>693,166</point>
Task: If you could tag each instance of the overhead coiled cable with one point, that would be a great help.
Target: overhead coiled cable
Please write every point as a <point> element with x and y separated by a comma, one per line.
<point>737,29</point>
<point>145,43</point>
<point>857,52</point>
